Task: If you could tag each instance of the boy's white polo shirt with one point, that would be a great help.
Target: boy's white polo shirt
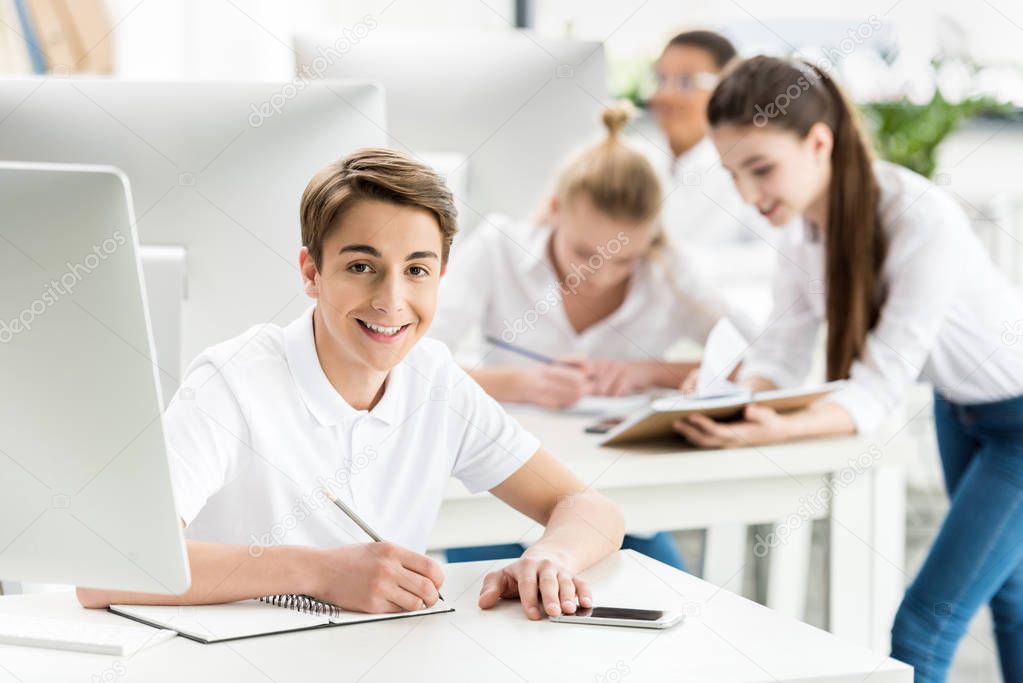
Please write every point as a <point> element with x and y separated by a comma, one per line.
<point>256,429</point>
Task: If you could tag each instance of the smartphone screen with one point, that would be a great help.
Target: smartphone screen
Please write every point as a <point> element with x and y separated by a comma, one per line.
<point>620,613</point>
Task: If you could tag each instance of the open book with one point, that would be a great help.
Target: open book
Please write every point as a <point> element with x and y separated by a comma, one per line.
<point>655,420</point>
<point>260,617</point>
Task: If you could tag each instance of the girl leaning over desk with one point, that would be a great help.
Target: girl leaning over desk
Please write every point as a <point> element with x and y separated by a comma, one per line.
<point>890,263</point>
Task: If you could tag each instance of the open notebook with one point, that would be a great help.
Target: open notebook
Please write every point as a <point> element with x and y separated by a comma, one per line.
<point>250,618</point>
<point>655,421</point>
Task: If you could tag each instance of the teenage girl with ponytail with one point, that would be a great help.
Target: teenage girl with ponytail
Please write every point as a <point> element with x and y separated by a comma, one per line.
<point>593,283</point>
<point>891,264</point>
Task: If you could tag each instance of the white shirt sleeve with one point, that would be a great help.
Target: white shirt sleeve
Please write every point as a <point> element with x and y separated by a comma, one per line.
<point>923,271</point>
<point>492,444</point>
<point>207,438</point>
<point>466,288</point>
<point>783,351</point>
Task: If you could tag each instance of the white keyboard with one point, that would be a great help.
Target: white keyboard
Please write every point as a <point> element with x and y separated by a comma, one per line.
<point>80,636</point>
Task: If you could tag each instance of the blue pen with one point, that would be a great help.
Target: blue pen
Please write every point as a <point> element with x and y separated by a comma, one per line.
<point>532,355</point>
<point>502,344</point>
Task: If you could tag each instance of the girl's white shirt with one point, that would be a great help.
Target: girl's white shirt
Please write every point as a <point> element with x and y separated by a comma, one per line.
<point>501,283</point>
<point>949,317</point>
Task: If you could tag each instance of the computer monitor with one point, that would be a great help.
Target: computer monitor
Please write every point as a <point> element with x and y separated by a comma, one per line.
<point>218,168</point>
<point>512,103</point>
<point>85,489</point>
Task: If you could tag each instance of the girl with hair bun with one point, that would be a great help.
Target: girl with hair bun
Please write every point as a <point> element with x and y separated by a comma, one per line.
<point>890,263</point>
<point>592,282</point>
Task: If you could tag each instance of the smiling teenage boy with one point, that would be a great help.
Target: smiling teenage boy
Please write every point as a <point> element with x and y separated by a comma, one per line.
<point>350,396</point>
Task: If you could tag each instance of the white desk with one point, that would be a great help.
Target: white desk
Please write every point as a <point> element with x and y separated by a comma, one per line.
<point>670,487</point>
<point>725,638</point>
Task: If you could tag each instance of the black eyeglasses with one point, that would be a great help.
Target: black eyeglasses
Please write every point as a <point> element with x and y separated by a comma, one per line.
<point>701,80</point>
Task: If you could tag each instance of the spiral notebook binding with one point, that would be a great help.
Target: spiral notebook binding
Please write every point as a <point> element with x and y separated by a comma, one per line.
<point>303,604</point>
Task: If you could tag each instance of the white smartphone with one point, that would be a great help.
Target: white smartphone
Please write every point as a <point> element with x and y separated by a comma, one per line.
<point>622,616</point>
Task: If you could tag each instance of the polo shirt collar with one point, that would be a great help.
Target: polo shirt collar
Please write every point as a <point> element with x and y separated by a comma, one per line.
<point>535,256</point>
<point>699,158</point>
<point>319,395</point>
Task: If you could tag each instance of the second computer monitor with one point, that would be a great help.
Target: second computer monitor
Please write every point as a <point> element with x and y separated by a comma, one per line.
<point>216,167</point>
<point>513,104</point>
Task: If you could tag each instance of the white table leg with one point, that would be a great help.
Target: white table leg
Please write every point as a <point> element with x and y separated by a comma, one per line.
<point>789,572</point>
<point>850,580</point>
<point>724,556</point>
<point>868,519</point>
<point>890,578</point>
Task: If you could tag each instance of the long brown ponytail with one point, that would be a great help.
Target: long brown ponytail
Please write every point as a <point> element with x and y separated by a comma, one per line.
<point>766,91</point>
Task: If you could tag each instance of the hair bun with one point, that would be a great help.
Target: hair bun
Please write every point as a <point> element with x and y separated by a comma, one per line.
<point>617,116</point>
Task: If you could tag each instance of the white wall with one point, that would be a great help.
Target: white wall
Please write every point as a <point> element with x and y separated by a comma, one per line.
<point>251,38</point>
<point>994,28</point>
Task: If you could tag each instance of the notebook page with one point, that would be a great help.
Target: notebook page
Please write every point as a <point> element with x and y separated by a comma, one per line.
<point>670,404</point>
<point>608,405</point>
<point>361,617</point>
<point>723,350</point>
<point>222,622</point>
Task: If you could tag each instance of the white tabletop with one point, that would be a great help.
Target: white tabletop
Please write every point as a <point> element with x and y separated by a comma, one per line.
<point>725,638</point>
<point>666,485</point>
<point>673,460</point>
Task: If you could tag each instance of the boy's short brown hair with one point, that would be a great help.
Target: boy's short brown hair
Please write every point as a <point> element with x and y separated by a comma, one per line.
<point>378,174</point>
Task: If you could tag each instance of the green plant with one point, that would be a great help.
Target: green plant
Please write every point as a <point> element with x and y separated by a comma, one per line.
<point>909,134</point>
<point>631,78</point>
